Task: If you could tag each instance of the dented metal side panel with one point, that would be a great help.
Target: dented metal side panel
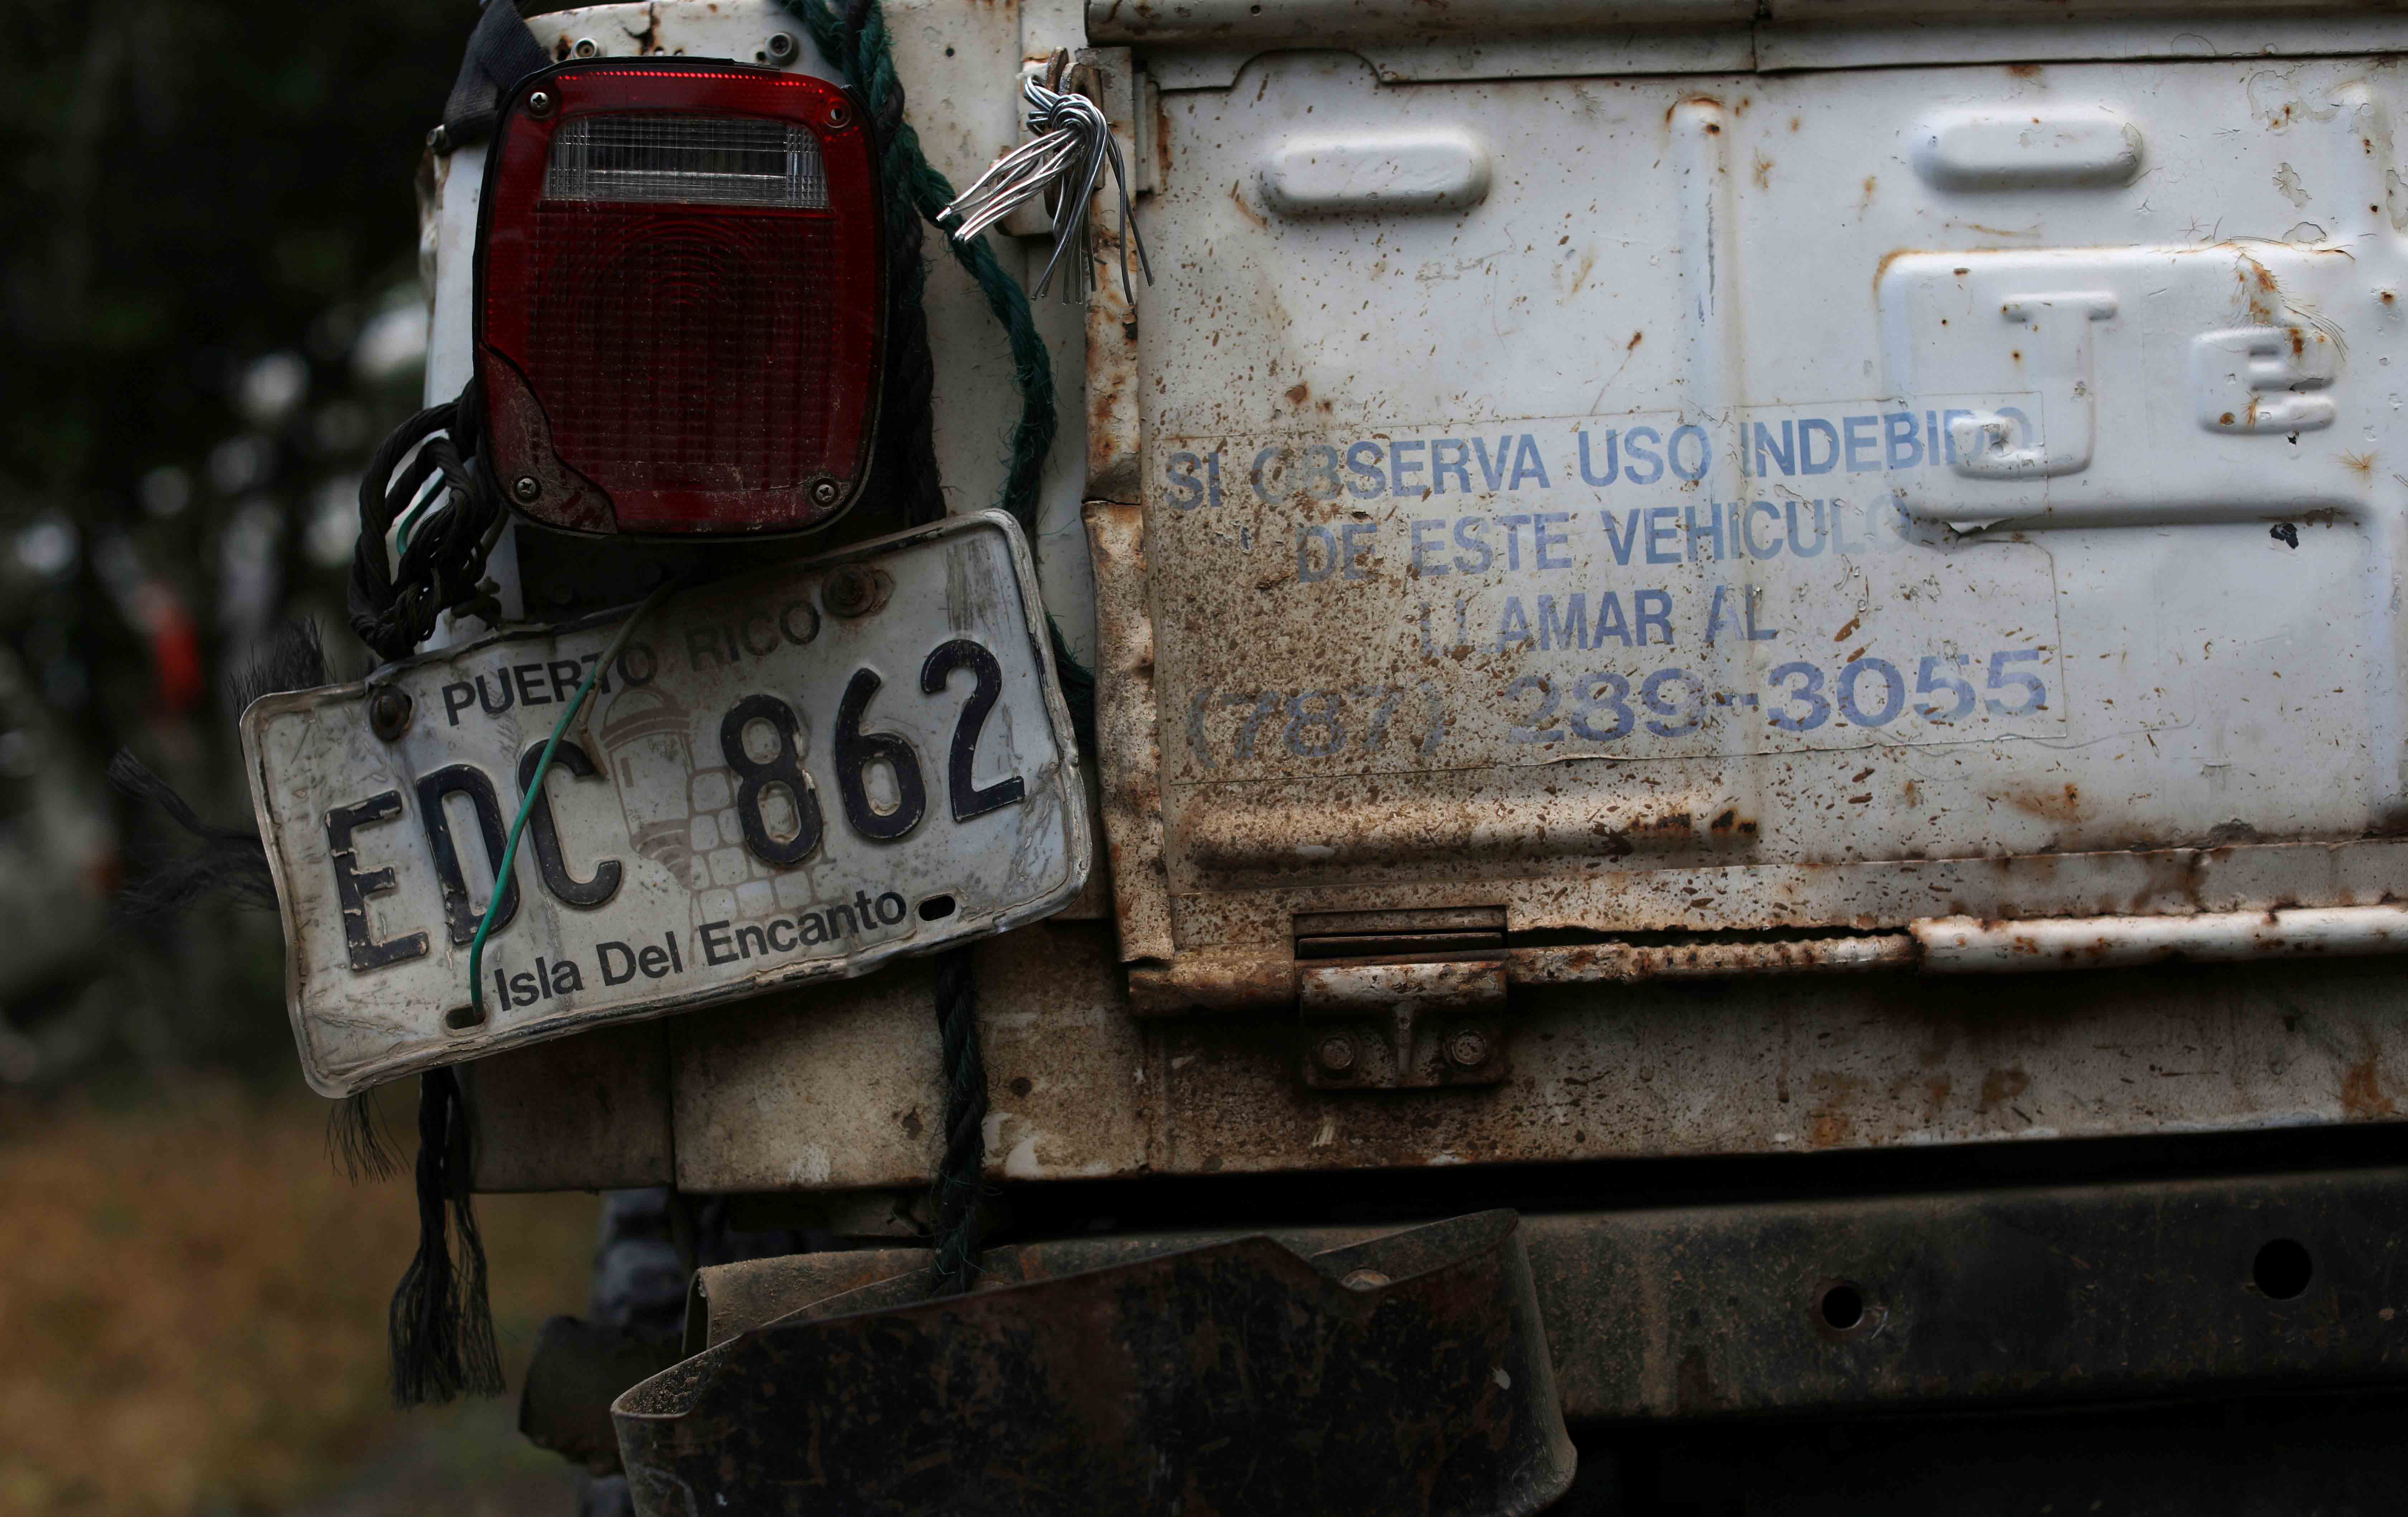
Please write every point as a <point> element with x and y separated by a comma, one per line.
<point>1821,502</point>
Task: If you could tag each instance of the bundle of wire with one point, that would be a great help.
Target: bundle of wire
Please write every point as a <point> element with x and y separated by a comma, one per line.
<point>430,514</point>
<point>1071,146</point>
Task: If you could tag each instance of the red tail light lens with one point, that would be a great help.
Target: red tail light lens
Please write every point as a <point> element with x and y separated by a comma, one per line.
<point>678,323</point>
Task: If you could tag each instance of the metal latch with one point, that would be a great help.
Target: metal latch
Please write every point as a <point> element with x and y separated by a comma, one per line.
<point>1402,1000</point>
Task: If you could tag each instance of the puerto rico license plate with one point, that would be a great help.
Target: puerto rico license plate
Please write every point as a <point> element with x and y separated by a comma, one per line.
<point>793,775</point>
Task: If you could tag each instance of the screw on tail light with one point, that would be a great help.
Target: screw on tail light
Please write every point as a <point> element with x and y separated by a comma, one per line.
<point>679,291</point>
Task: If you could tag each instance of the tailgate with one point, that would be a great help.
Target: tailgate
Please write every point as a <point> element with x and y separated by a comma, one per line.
<point>1757,514</point>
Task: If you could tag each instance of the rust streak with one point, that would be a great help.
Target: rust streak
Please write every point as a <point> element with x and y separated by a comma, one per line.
<point>1238,198</point>
<point>1999,1087</point>
<point>2361,1092</point>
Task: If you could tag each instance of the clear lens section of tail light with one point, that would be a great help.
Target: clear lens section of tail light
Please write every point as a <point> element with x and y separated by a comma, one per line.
<point>662,160</point>
<point>681,297</point>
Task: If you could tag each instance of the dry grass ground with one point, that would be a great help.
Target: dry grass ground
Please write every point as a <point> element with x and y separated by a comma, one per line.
<point>193,1319</point>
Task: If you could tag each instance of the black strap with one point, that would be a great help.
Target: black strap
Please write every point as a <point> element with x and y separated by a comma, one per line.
<point>501,51</point>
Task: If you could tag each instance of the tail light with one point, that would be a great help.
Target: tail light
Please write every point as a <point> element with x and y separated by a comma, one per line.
<point>679,291</point>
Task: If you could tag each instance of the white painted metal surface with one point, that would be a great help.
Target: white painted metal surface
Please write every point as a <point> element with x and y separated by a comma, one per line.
<point>790,777</point>
<point>1400,172</point>
<point>1960,945</point>
<point>1204,44</point>
<point>1772,487</point>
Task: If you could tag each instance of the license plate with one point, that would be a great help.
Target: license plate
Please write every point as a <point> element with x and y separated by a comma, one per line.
<point>796,775</point>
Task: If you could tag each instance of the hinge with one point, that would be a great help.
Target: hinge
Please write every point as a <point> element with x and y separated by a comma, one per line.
<point>1401,1000</point>
<point>1450,932</point>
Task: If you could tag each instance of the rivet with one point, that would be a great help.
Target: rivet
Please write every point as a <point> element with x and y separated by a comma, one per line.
<point>388,713</point>
<point>827,492</point>
<point>849,590</point>
<point>781,46</point>
<point>539,103</point>
<point>1336,1053</point>
<point>584,48</point>
<point>525,489</point>
<point>1468,1049</point>
<point>840,115</point>
<point>438,140</point>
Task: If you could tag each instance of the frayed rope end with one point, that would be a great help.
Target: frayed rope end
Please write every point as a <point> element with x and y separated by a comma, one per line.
<point>441,1325</point>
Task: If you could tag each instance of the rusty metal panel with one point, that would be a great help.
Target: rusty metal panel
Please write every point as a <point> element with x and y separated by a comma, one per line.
<point>841,1093</point>
<point>1766,1064</point>
<point>1977,1298</point>
<point>1856,34</point>
<point>1408,1374</point>
<point>726,1299</point>
<point>586,1113</point>
<point>1108,77</point>
<point>1242,21</point>
<point>1626,536</point>
<point>1961,944</point>
<point>1339,990</point>
<point>1207,980</point>
<point>1206,45</point>
<point>840,1089</point>
<point>2106,1291</point>
<point>1782,903</point>
<point>1706,958</point>
<point>837,1089</point>
<point>1129,755</point>
<point>733,1298</point>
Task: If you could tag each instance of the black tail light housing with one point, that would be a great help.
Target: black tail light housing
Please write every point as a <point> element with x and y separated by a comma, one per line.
<point>680,299</point>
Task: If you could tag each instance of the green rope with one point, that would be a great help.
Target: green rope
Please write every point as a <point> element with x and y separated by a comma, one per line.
<point>535,793</point>
<point>858,43</point>
<point>915,187</point>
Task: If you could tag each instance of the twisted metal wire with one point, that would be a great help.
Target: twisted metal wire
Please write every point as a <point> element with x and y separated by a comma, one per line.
<point>1070,147</point>
<point>431,475</point>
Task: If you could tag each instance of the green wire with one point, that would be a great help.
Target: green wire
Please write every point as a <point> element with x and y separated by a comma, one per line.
<point>407,523</point>
<point>535,792</point>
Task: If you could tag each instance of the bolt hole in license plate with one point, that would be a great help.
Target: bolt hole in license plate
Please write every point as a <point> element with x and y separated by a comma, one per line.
<point>793,775</point>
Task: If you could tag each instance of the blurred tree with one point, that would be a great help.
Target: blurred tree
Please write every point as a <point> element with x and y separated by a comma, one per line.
<point>211,201</point>
<point>198,184</point>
